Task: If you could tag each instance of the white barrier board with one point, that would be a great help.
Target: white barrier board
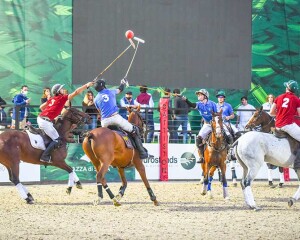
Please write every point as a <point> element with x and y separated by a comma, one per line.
<point>28,173</point>
<point>182,164</point>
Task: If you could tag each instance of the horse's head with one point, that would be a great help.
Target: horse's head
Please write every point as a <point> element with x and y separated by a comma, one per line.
<point>136,119</point>
<point>256,119</point>
<point>74,116</point>
<point>217,124</point>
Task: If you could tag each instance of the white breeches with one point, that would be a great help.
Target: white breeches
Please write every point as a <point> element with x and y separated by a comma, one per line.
<point>118,121</point>
<point>205,130</point>
<point>48,128</point>
<point>293,130</point>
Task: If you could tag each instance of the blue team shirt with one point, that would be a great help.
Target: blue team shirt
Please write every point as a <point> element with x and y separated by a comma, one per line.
<point>205,109</point>
<point>106,103</point>
<point>227,110</point>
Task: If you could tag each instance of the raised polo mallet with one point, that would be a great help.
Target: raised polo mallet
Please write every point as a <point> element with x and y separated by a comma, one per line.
<point>129,34</point>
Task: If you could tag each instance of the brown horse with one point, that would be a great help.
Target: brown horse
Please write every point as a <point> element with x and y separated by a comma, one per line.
<point>215,155</point>
<point>105,147</point>
<point>266,124</point>
<point>15,146</point>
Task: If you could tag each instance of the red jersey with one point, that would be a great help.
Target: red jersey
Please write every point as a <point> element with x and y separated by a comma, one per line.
<point>54,106</point>
<point>286,105</point>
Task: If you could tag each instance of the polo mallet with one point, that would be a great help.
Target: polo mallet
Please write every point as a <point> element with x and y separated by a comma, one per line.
<point>130,35</point>
<point>111,63</point>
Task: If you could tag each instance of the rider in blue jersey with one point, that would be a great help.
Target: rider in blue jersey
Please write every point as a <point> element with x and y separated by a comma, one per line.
<point>106,103</point>
<point>205,107</point>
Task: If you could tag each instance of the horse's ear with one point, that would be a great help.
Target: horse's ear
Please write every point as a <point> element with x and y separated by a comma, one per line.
<point>129,109</point>
<point>138,108</point>
<point>221,111</point>
<point>261,108</point>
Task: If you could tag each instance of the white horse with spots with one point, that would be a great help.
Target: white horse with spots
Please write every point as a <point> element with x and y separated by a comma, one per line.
<point>253,149</point>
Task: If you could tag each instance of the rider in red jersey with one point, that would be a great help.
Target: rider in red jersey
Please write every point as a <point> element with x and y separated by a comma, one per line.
<point>50,110</point>
<point>285,107</point>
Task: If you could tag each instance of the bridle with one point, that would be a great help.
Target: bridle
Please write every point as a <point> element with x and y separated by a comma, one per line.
<point>218,127</point>
<point>76,118</point>
<point>142,128</point>
<point>252,125</point>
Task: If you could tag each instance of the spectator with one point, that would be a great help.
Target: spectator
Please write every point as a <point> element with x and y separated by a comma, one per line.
<point>268,104</point>
<point>205,108</point>
<point>21,100</point>
<point>243,113</point>
<point>127,101</point>
<point>172,130</point>
<point>285,107</point>
<point>46,95</point>
<point>147,105</point>
<point>181,111</point>
<point>3,117</point>
<point>89,107</point>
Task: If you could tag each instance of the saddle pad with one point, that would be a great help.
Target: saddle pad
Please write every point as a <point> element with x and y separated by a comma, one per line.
<point>36,141</point>
<point>126,139</point>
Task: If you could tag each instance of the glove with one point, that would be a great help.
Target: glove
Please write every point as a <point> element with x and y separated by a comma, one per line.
<point>184,98</point>
<point>124,81</point>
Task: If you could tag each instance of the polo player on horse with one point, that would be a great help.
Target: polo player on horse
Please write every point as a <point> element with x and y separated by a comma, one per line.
<point>285,107</point>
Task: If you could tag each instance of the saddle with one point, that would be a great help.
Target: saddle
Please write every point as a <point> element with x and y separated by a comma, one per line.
<point>38,138</point>
<point>128,140</point>
<point>294,144</point>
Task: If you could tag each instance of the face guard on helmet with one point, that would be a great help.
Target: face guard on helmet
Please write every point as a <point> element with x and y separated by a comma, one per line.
<point>99,85</point>
<point>56,88</point>
<point>204,92</point>
<point>292,86</point>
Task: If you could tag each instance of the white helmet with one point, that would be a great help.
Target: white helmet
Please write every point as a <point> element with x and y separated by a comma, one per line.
<point>204,92</point>
<point>56,88</point>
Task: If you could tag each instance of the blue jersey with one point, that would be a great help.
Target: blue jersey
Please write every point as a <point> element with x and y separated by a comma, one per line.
<point>205,109</point>
<point>227,110</point>
<point>105,102</point>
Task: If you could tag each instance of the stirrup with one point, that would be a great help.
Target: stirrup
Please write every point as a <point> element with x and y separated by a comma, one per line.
<point>46,160</point>
<point>201,160</point>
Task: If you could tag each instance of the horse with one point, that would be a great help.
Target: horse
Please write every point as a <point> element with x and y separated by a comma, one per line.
<point>16,146</point>
<point>106,147</point>
<point>253,149</point>
<point>215,155</point>
<point>266,123</point>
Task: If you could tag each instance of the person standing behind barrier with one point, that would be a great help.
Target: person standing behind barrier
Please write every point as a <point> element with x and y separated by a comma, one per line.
<point>268,104</point>
<point>3,116</point>
<point>173,134</point>
<point>21,100</point>
<point>50,110</point>
<point>89,107</point>
<point>127,101</point>
<point>181,111</point>
<point>285,107</point>
<point>205,108</point>
<point>146,102</point>
<point>46,95</point>
<point>244,114</point>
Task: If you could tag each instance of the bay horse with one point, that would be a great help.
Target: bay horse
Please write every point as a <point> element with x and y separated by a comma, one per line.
<point>215,155</point>
<point>15,146</point>
<point>253,149</point>
<point>266,123</point>
<point>105,147</point>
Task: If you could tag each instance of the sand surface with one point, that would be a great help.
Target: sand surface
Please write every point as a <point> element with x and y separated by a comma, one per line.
<point>183,213</point>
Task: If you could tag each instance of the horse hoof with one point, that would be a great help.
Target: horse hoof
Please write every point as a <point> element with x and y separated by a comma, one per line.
<point>234,184</point>
<point>227,199</point>
<point>69,190</point>
<point>78,185</point>
<point>156,203</point>
<point>119,197</point>
<point>255,208</point>
<point>203,193</point>
<point>30,196</point>
<point>29,201</point>
<point>116,202</point>
<point>291,202</point>
<point>97,201</point>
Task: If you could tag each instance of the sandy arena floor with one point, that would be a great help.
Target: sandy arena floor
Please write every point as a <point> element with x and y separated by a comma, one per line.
<point>183,213</point>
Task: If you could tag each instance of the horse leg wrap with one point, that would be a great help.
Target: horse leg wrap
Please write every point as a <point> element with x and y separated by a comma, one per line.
<point>151,194</point>
<point>100,191</point>
<point>122,190</point>
<point>21,190</point>
<point>233,173</point>
<point>109,192</point>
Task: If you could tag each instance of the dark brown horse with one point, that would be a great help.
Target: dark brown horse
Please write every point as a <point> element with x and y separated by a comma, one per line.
<point>15,146</point>
<point>215,155</point>
<point>105,147</point>
<point>266,124</point>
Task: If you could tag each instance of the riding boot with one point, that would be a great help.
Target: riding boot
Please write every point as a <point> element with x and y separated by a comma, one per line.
<point>230,139</point>
<point>139,145</point>
<point>200,146</point>
<point>46,156</point>
<point>297,160</point>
